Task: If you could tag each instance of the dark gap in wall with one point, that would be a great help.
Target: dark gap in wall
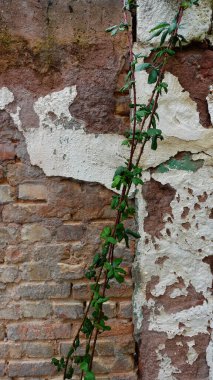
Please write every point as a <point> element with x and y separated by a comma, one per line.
<point>134,25</point>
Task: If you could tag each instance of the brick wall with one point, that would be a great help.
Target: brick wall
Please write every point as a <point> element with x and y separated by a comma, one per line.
<point>49,226</point>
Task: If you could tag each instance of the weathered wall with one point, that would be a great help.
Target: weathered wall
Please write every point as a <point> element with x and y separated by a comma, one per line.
<point>173,265</point>
<point>61,116</point>
<point>60,75</point>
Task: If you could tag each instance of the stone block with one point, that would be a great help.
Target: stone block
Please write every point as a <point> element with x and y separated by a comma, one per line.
<point>65,271</point>
<point>5,194</point>
<point>109,308</point>
<point>36,310</point>
<point>38,331</point>
<point>42,291</point>
<point>125,309</point>
<point>32,191</point>
<point>38,350</point>
<point>7,152</point>
<point>70,232</point>
<point>35,232</point>
<point>72,310</point>
<point>30,368</point>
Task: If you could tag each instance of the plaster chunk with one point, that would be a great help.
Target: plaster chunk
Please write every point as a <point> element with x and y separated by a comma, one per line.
<point>152,12</point>
<point>6,97</point>
<point>210,103</point>
<point>192,354</point>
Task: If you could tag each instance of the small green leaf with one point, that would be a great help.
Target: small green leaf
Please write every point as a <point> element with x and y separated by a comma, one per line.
<point>116,181</point>
<point>154,144</point>
<point>154,132</point>
<point>89,376</point>
<point>84,366</point>
<point>153,76</point>
<point>143,66</point>
<point>105,232</point>
<point>136,235</point>
<point>111,240</point>
<point>159,26</point>
<point>163,37</point>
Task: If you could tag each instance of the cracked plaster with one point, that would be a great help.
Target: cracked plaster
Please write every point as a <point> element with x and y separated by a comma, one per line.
<point>61,147</point>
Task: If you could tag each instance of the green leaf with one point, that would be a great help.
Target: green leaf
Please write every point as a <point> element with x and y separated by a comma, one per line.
<point>136,235</point>
<point>69,373</point>
<point>143,66</point>
<point>105,232</point>
<point>108,30</point>
<point>153,76</point>
<point>119,278</point>
<point>55,361</point>
<point>116,182</point>
<point>115,201</point>
<point>159,26</point>
<point>111,240</point>
<point>137,181</point>
<point>172,27</point>
<point>89,376</point>
<point>154,144</point>
<point>154,132</point>
<point>156,34</point>
<point>84,366</point>
<point>163,37</point>
<point>117,262</point>
<point>170,52</point>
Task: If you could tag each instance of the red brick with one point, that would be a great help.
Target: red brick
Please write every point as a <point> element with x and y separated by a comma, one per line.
<point>38,331</point>
<point>31,368</point>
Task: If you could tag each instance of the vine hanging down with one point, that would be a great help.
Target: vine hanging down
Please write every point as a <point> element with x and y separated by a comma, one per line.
<point>144,118</point>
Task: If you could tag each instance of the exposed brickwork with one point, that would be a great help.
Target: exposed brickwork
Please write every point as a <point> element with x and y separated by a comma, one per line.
<point>49,227</point>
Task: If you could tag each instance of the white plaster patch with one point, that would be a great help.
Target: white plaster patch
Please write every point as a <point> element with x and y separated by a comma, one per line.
<point>167,370</point>
<point>60,146</point>
<point>209,358</point>
<point>210,104</point>
<point>6,97</point>
<point>192,354</point>
<point>184,250</point>
<point>151,12</point>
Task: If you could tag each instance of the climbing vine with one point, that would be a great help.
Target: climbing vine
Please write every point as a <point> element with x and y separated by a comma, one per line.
<point>144,119</point>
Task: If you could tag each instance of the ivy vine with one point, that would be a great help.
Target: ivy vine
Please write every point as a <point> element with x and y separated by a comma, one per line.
<point>144,119</point>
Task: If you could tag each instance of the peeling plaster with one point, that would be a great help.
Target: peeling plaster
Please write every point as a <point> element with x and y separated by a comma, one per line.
<point>210,103</point>
<point>167,370</point>
<point>192,354</point>
<point>60,145</point>
<point>184,251</point>
<point>6,97</point>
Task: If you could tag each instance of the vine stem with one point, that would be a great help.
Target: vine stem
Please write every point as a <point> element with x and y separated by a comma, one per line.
<point>125,189</point>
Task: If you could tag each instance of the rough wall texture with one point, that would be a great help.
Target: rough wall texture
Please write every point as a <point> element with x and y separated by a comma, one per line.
<point>61,116</point>
<point>173,266</point>
<point>60,74</point>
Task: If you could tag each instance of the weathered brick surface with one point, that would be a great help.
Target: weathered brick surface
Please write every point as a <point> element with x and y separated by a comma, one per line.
<point>5,194</point>
<point>2,368</point>
<point>49,227</point>
<point>38,331</point>
<point>31,368</point>
<point>71,310</point>
<point>32,191</point>
<point>42,290</point>
<point>35,232</point>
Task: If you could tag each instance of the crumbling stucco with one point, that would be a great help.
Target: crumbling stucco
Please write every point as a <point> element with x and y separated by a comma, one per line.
<point>151,13</point>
